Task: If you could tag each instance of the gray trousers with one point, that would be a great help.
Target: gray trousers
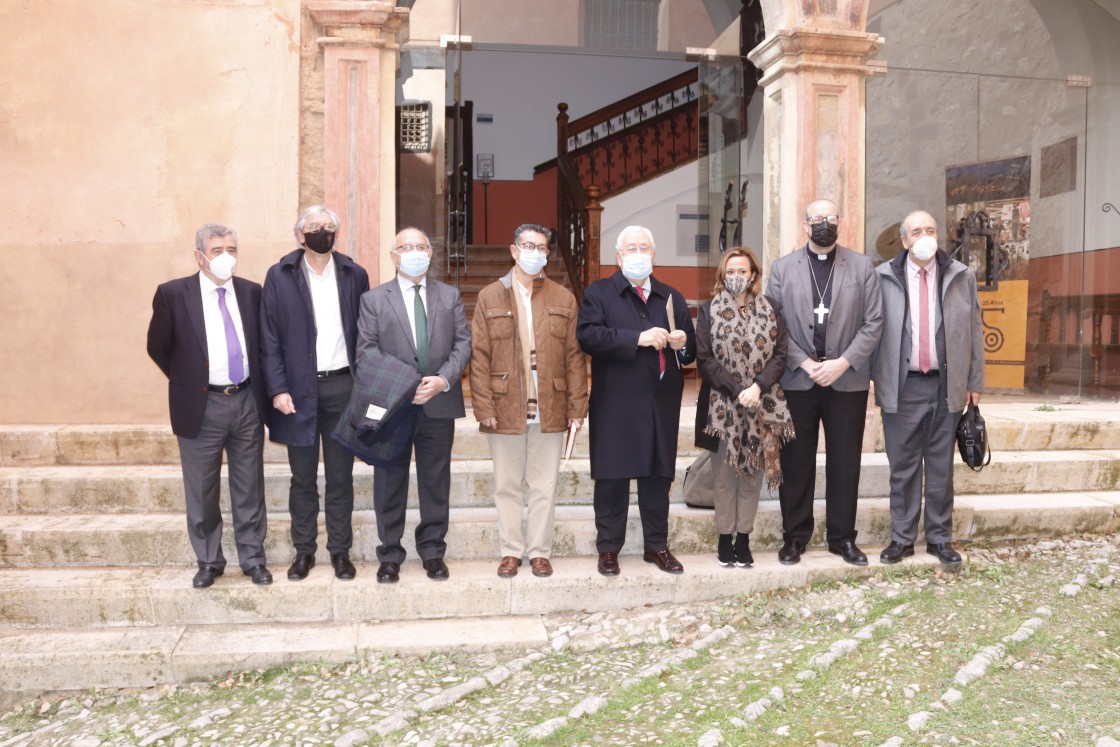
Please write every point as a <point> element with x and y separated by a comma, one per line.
<point>230,423</point>
<point>736,501</point>
<point>920,439</point>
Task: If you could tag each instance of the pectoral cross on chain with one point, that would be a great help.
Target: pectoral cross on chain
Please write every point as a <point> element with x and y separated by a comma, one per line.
<point>820,311</point>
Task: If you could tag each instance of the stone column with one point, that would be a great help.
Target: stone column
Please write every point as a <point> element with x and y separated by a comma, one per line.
<point>813,79</point>
<point>361,53</point>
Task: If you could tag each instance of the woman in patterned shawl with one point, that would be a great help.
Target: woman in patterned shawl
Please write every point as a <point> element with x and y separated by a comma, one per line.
<point>741,411</point>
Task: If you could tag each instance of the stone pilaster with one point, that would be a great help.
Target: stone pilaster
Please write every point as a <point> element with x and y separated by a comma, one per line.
<point>361,53</point>
<point>813,80</point>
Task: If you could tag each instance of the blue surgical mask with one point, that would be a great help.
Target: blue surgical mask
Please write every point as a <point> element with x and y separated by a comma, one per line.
<point>532,262</point>
<point>415,263</point>
<point>637,266</point>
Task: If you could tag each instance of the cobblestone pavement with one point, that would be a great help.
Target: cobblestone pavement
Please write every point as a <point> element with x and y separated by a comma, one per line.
<point>1021,647</point>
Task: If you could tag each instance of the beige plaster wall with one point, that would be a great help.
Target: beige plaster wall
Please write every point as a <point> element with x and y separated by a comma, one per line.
<point>123,126</point>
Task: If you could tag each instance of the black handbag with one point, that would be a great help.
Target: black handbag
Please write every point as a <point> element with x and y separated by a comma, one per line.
<point>972,439</point>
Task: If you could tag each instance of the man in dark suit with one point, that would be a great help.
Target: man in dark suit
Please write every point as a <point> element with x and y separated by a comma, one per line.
<point>421,322</point>
<point>205,339</point>
<point>831,304</point>
<point>929,366</point>
<point>638,332</point>
<point>309,330</point>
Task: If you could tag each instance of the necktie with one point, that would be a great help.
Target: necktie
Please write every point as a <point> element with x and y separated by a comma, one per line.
<point>923,321</point>
<point>421,331</point>
<point>660,353</point>
<point>233,345</point>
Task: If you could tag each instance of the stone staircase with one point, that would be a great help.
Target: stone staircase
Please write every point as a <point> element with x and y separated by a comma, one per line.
<point>485,264</point>
<point>95,565</point>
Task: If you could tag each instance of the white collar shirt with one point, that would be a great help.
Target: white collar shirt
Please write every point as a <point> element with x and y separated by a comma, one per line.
<point>409,296</point>
<point>527,296</point>
<point>330,341</point>
<point>914,293</point>
<point>216,330</point>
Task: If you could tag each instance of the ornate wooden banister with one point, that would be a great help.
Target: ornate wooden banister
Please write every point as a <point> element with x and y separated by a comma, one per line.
<point>615,148</point>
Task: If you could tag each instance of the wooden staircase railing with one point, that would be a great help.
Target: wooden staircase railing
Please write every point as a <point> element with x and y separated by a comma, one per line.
<point>614,149</point>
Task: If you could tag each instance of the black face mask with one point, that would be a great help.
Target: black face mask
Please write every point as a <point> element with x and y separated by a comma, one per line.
<point>319,242</point>
<point>824,234</point>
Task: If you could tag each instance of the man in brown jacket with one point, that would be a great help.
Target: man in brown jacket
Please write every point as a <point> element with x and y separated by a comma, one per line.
<point>528,381</point>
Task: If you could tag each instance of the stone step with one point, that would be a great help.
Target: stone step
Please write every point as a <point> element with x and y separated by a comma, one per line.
<point>159,488</point>
<point>137,540</point>
<point>1014,426</point>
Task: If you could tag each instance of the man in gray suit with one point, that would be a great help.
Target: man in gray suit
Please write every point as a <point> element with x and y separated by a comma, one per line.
<point>929,366</point>
<point>419,321</point>
<point>831,304</point>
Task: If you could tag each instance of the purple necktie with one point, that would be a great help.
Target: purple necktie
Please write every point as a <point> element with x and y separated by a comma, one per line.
<point>233,345</point>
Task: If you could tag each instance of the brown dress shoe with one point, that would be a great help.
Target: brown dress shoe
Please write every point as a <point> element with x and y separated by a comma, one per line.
<point>608,563</point>
<point>508,567</point>
<point>664,560</point>
<point>541,566</point>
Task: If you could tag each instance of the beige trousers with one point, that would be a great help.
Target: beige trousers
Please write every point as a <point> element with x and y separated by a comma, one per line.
<point>736,501</point>
<point>525,471</point>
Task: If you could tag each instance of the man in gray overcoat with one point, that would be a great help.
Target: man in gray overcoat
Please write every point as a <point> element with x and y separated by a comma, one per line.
<point>929,366</point>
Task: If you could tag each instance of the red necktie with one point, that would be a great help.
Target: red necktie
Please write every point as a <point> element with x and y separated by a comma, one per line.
<point>923,322</point>
<point>660,353</point>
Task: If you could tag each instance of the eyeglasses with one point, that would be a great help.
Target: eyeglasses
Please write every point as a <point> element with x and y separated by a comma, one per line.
<point>817,220</point>
<point>529,246</point>
<point>628,249</point>
<point>316,227</point>
<point>405,248</point>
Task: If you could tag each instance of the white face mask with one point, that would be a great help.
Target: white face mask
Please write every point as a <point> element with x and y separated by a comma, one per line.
<point>924,248</point>
<point>637,266</point>
<point>532,262</point>
<point>415,263</point>
<point>222,266</point>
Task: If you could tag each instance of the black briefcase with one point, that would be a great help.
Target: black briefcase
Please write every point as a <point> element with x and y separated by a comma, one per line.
<point>972,439</point>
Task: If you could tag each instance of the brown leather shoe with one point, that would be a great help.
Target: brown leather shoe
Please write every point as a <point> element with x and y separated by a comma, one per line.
<point>541,567</point>
<point>508,567</point>
<point>664,560</point>
<point>608,563</point>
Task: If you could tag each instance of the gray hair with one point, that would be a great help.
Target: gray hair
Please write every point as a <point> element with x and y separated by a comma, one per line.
<point>905,221</point>
<point>634,229</point>
<point>209,231</point>
<point>311,211</point>
<point>535,228</point>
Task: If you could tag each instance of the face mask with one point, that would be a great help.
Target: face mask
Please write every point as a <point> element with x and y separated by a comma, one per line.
<point>637,266</point>
<point>736,285</point>
<point>222,266</point>
<point>824,234</point>
<point>415,263</point>
<point>532,262</point>
<point>924,248</point>
<point>319,242</point>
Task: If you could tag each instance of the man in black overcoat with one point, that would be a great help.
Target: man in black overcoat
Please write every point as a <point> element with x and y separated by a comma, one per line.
<point>638,333</point>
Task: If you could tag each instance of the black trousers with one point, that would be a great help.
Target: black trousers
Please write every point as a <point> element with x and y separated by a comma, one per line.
<point>432,439</point>
<point>843,415</point>
<point>338,466</point>
<point>612,502</point>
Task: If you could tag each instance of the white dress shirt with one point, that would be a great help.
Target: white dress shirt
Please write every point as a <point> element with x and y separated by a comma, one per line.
<point>216,330</point>
<point>409,296</point>
<point>330,342</point>
<point>913,281</point>
<point>527,296</point>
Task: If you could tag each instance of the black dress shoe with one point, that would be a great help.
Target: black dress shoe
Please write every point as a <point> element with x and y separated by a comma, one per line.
<point>259,575</point>
<point>944,552</point>
<point>300,567</point>
<point>608,564</point>
<point>895,552</point>
<point>664,560</point>
<point>343,568</point>
<point>851,554</point>
<point>790,552</point>
<point>437,569</point>
<point>389,573</point>
<point>205,576</point>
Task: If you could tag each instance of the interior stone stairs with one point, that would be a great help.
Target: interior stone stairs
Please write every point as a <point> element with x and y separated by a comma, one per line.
<point>95,566</point>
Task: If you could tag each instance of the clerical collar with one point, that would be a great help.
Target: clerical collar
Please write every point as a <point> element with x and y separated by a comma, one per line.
<point>825,257</point>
